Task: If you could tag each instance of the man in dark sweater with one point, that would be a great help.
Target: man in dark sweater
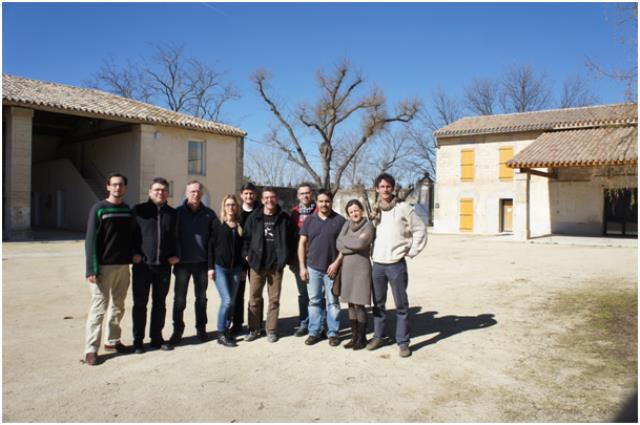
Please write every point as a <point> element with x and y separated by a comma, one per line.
<point>195,224</point>
<point>156,240</point>
<point>109,251</point>
<point>267,247</point>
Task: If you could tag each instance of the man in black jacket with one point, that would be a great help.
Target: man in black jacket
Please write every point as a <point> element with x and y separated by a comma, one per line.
<point>156,240</point>
<point>195,224</point>
<point>268,247</point>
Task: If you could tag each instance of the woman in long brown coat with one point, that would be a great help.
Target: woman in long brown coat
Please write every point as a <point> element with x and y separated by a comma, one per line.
<point>354,242</point>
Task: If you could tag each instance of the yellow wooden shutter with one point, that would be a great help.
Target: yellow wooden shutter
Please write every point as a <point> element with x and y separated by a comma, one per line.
<point>467,163</point>
<point>506,173</point>
<point>466,215</point>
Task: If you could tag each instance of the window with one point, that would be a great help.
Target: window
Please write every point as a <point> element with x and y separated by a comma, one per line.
<point>466,215</point>
<point>506,154</point>
<point>466,162</point>
<point>196,158</point>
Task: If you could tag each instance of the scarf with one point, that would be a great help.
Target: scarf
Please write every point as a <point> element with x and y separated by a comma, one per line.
<point>304,211</point>
<point>380,206</point>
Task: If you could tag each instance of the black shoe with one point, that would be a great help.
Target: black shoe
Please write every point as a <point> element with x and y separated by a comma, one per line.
<point>162,345</point>
<point>334,341</point>
<point>175,338</point>
<point>235,330</point>
<point>138,348</point>
<point>202,335</point>
<point>119,347</point>
<point>226,341</point>
<point>312,340</point>
<point>301,331</point>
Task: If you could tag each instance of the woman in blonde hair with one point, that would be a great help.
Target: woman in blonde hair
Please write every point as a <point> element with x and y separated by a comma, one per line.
<point>225,263</point>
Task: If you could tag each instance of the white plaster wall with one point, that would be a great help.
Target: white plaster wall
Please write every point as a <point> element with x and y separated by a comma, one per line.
<point>486,189</point>
<point>170,156</point>
<point>52,177</point>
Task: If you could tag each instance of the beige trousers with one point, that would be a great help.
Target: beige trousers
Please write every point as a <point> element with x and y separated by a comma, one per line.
<point>110,290</point>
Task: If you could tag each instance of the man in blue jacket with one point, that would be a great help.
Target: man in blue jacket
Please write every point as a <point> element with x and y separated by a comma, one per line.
<point>195,224</point>
<point>156,240</point>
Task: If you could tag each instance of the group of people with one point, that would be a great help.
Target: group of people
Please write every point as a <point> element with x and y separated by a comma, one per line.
<point>354,260</point>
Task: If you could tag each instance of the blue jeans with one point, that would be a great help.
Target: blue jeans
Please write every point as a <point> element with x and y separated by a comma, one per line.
<point>321,298</point>
<point>227,282</point>
<point>303,297</point>
<point>182,272</point>
<point>398,279</point>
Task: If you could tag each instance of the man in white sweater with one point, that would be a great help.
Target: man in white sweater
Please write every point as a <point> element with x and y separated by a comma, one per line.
<point>400,233</point>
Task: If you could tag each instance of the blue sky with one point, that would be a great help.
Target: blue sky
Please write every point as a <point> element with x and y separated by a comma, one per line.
<point>407,49</point>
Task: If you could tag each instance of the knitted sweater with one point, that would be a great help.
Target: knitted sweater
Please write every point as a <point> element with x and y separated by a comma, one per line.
<point>399,233</point>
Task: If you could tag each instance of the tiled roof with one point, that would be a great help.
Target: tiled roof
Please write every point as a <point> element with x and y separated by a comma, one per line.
<point>580,148</point>
<point>591,116</point>
<point>33,93</point>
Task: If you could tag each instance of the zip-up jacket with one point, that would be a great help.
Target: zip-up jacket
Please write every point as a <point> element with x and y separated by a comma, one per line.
<point>194,232</point>
<point>109,238</point>
<point>156,237</point>
<point>244,215</point>
<point>225,247</point>
<point>253,239</point>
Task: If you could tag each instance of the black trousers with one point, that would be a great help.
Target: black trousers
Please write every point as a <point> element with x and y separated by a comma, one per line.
<point>146,279</point>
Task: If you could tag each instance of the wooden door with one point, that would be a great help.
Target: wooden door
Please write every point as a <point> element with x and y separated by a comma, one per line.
<point>506,215</point>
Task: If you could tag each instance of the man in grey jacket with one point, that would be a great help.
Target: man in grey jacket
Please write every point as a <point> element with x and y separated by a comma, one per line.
<point>400,233</point>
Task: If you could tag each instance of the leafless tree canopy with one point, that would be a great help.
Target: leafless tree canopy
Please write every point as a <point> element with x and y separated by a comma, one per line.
<point>522,90</point>
<point>576,92</point>
<point>481,96</point>
<point>171,79</point>
<point>339,102</point>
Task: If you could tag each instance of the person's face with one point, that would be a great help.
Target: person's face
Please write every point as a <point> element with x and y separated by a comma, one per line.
<point>116,187</point>
<point>355,213</point>
<point>158,193</point>
<point>248,197</point>
<point>230,208</point>
<point>269,200</point>
<point>385,190</point>
<point>305,195</point>
<point>324,204</point>
<point>194,194</point>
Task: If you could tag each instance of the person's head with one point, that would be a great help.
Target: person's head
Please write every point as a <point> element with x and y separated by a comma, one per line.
<point>385,184</point>
<point>324,201</point>
<point>354,210</point>
<point>159,191</point>
<point>230,208</point>
<point>305,194</point>
<point>194,193</point>
<point>116,185</point>
<point>269,199</point>
<point>248,193</point>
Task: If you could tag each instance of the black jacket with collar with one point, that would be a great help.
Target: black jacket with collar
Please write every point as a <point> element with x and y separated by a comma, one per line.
<point>156,235</point>
<point>253,239</point>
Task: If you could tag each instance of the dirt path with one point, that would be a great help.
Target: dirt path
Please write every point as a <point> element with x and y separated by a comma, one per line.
<point>488,346</point>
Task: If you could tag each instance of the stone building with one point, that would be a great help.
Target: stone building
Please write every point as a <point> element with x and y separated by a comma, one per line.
<point>59,143</point>
<point>566,171</point>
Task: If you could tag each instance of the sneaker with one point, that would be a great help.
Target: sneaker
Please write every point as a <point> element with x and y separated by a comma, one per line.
<point>312,340</point>
<point>272,337</point>
<point>301,331</point>
<point>252,336</point>
<point>374,344</point>
<point>162,345</point>
<point>405,351</point>
<point>91,359</point>
<point>334,341</point>
<point>226,341</point>
<point>138,348</point>
<point>119,347</point>
<point>175,338</point>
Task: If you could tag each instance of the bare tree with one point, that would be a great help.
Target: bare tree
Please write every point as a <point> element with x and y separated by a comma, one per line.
<point>522,90</point>
<point>481,96</point>
<point>576,92</point>
<point>269,166</point>
<point>337,104</point>
<point>171,79</point>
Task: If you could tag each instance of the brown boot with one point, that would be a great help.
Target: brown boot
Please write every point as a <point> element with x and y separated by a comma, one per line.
<point>361,341</point>
<point>354,334</point>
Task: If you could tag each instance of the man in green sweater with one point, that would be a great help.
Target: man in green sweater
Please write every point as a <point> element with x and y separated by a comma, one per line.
<point>109,252</point>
